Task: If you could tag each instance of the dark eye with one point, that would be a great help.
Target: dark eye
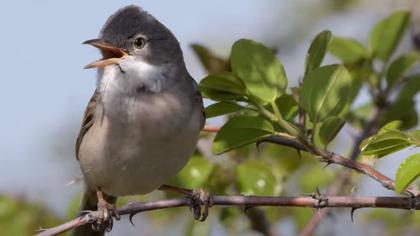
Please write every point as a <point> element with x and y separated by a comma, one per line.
<point>139,42</point>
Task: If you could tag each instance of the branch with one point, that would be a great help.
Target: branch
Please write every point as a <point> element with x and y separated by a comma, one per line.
<point>333,158</point>
<point>210,129</point>
<point>248,201</point>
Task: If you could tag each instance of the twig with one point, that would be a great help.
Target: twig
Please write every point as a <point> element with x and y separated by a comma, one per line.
<point>314,202</point>
<point>333,158</point>
<point>210,129</point>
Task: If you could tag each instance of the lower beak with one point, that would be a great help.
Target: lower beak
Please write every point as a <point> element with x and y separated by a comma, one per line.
<point>111,55</point>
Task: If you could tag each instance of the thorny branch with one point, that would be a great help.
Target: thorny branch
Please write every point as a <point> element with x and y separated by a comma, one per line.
<point>315,201</point>
<point>369,128</point>
<point>333,158</point>
<point>410,203</point>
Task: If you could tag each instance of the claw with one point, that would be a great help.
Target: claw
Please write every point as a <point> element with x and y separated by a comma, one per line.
<point>107,212</point>
<point>201,201</point>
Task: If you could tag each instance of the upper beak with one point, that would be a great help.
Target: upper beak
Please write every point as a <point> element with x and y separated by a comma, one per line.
<point>111,55</point>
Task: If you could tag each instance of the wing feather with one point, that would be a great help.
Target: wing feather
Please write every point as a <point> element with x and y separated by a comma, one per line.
<point>88,119</point>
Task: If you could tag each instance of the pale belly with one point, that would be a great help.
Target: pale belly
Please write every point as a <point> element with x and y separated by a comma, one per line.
<point>140,153</point>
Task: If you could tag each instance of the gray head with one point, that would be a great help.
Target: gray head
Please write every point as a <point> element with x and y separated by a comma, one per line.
<point>133,32</point>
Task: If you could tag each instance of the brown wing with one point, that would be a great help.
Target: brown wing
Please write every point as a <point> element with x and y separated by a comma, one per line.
<point>88,120</point>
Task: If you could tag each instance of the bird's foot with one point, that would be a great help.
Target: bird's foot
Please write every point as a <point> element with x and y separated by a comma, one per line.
<point>201,201</point>
<point>107,212</point>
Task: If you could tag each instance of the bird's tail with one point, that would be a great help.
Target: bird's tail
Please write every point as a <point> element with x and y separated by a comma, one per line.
<point>90,203</point>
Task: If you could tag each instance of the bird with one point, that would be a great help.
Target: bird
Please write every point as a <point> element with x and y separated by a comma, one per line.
<point>143,121</point>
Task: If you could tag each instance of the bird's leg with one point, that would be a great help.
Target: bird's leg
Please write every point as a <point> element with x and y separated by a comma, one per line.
<point>106,211</point>
<point>201,200</point>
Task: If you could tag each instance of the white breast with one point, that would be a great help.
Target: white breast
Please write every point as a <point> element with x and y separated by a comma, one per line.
<point>139,141</point>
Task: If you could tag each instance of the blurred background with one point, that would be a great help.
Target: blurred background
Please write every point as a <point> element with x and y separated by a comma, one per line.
<point>45,90</point>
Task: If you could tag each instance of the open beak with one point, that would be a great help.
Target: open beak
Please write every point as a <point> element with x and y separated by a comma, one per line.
<point>111,55</point>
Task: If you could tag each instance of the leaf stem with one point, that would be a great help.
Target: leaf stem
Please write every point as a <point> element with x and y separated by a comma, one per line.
<point>293,130</point>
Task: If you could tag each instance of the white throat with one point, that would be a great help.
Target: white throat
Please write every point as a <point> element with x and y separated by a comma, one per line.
<point>134,75</point>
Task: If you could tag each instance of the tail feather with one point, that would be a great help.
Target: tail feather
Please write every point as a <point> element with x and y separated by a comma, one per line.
<point>90,203</point>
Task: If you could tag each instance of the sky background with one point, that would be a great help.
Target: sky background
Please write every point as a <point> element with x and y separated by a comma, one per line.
<point>44,89</point>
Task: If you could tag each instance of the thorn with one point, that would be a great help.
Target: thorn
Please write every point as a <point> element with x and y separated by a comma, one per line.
<point>327,164</point>
<point>353,209</point>
<point>131,218</point>
<point>258,144</point>
<point>247,208</point>
<point>299,154</point>
<point>317,191</point>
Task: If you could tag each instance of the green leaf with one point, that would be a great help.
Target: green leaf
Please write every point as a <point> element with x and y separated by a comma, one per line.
<point>18,216</point>
<point>330,128</point>
<point>408,171</point>
<point>239,131</point>
<point>410,89</point>
<point>386,35</point>
<point>195,174</point>
<point>317,50</point>
<point>390,126</point>
<point>287,106</point>
<point>348,50</point>
<point>325,92</point>
<point>400,66</point>
<point>403,110</point>
<point>255,178</point>
<point>222,108</point>
<point>414,137</point>
<point>404,107</point>
<point>385,143</point>
<point>211,62</point>
<point>223,86</point>
<point>259,68</point>
<point>360,72</point>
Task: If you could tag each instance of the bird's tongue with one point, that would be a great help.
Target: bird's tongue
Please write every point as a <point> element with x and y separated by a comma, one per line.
<point>111,55</point>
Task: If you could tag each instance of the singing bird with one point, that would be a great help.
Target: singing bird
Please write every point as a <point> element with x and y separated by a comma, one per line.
<point>143,121</point>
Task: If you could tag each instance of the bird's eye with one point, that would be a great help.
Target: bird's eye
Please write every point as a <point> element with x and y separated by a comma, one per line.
<point>139,42</point>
